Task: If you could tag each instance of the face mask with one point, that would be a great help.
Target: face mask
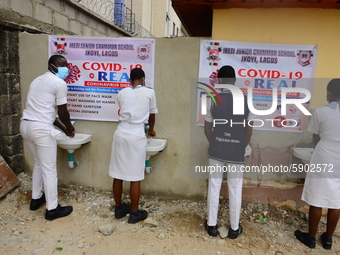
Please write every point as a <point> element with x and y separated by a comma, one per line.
<point>62,72</point>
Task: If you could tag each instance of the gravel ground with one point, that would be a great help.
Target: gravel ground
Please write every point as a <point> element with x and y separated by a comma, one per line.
<point>174,227</point>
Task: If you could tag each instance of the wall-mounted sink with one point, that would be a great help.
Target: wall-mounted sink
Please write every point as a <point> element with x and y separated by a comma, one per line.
<point>154,146</point>
<point>305,154</point>
<point>71,144</point>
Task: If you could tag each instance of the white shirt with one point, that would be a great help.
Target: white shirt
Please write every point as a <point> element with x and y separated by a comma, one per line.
<point>325,122</point>
<point>46,92</point>
<point>136,104</point>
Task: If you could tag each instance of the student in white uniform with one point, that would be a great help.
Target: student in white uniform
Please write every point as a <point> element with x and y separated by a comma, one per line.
<point>322,183</point>
<point>227,145</point>
<point>47,95</point>
<point>137,105</point>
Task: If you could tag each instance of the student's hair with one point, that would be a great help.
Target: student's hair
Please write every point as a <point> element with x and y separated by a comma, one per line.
<point>55,59</point>
<point>227,74</point>
<point>334,87</point>
<point>136,74</point>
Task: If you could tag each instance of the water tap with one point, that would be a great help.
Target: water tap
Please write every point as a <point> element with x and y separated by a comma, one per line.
<point>146,129</point>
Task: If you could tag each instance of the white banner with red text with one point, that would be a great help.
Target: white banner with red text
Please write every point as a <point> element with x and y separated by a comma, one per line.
<point>266,70</point>
<point>98,69</point>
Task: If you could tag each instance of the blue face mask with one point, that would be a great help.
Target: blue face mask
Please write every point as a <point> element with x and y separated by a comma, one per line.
<point>62,72</point>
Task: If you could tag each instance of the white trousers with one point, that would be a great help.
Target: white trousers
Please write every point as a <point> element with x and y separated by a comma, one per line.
<point>40,138</point>
<point>235,182</point>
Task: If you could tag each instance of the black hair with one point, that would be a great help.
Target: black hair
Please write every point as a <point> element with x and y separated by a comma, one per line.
<point>227,74</point>
<point>136,74</point>
<point>55,59</point>
<point>334,87</point>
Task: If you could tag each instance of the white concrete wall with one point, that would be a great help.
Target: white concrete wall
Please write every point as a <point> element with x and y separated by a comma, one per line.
<point>173,19</point>
<point>151,14</point>
<point>176,64</point>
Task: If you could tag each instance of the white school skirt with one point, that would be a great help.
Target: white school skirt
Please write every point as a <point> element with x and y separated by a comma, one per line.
<point>322,183</point>
<point>128,152</point>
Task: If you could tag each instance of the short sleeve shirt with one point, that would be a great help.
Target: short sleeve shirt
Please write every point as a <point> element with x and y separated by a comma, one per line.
<point>46,92</point>
<point>136,104</point>
<point>325,122</point>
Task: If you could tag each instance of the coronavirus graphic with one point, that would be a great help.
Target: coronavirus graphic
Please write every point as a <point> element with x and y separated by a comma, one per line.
<point>213,78</point>
<point>73,74</point>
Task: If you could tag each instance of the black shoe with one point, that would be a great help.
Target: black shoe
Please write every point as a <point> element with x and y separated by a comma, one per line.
<point>36,203</point>
<point>325,243</point>
<point>122,212</point>
<point>233,234</point>
<point>142,216</point>
<point>303,238</point>
<point>212,230</point>
<point>60,211</point>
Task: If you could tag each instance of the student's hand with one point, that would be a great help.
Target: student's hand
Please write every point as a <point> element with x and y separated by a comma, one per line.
<point>70,133</point>
<point>152,133</point>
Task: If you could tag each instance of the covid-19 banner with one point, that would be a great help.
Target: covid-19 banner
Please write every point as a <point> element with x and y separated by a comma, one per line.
<point>98,69</point>
<point>278,78</point>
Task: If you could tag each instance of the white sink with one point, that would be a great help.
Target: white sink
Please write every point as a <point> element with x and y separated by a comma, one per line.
<point>305,154</point>
<point>71,144</point>
<point>154,146</point>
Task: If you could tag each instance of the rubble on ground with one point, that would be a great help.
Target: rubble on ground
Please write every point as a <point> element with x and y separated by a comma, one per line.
<point>265,227</point>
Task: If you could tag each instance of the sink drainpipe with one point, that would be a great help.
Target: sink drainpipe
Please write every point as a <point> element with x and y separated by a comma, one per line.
<point>148,168</point>
<point>71,162</point>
